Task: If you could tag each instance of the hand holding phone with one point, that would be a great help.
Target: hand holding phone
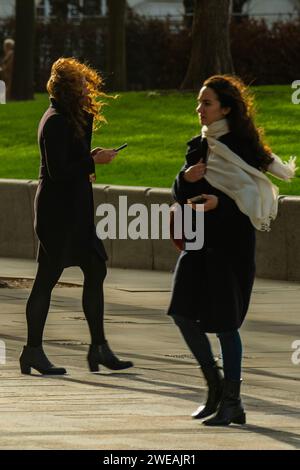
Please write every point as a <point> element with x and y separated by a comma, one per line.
<point>120,148</point>
<point>198,199</point>
<point>104,156</point>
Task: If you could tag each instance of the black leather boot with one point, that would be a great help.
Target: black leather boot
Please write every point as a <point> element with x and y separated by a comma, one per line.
<point>231,409</point>
<point>35,358</point>
<point>214,382</point>
<point>102,354</point>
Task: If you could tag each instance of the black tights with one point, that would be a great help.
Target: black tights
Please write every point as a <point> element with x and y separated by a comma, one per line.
<point>199,345</point>
<point>37,307</point>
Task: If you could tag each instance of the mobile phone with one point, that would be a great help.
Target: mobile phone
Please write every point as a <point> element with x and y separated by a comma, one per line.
<point>120,148</point>
<point>198,199</point>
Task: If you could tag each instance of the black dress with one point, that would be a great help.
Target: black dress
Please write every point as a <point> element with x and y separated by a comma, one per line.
<point>64,205</point>
<point>213,285</point>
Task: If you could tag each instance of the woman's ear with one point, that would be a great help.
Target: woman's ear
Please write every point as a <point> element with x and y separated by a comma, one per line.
<point>226,111</point>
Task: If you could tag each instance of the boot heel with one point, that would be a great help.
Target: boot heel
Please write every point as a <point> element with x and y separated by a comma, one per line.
<point>94,366</point>
<point>241,419</point>
<point>33,357</point>
<point>25,369</point>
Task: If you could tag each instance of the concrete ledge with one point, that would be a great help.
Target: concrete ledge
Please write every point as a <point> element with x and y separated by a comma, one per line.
<point>16,223</point>
<point>127,252</point>
<point>277,253</point>
<point>32,187</point>
<point>100,197</point>
<point>291,205</point>
<point>271,247</point>
<point>164,252</point>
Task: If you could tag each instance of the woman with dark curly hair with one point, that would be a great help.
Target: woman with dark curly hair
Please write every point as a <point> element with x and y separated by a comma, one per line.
<point>226,165</point>
<point>64,211</point>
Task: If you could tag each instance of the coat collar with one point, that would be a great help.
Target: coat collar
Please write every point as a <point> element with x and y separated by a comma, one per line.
<point>55,104</point>
<point>195,140</point>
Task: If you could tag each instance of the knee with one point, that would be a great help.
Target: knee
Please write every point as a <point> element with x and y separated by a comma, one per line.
<point>102,271</point>
<point>226,334</point>
<point>177,319</point>
<point>95,273</point>
<point>99,275</point>
<point>182,322</point>
<point>43,286</point>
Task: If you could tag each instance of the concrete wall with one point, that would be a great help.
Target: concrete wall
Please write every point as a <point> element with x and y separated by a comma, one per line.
<point>277,253</point>
<point>16,228</point>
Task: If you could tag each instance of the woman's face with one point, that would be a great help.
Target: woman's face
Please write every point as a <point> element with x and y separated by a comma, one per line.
<point>209,107</point>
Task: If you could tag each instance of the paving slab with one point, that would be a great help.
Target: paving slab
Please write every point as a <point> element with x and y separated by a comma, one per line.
<point>148,406</point>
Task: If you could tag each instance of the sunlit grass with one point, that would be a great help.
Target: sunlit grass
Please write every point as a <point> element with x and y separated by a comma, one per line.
<point>156,127</point>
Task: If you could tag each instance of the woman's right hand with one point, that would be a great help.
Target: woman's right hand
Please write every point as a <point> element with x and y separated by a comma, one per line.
<point>104,156</point>
<point>195,172</point>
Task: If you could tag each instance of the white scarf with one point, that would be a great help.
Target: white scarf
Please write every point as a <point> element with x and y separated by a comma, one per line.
<point>252,191</point>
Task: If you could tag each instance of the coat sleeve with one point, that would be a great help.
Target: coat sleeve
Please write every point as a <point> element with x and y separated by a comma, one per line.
<point>226,206</point>
<point>59,162</point>
<point>180,188</point>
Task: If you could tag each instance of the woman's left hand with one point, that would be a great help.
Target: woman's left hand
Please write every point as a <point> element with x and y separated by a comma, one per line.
<point>95,150</point>
<point>104,156</point>
<point>211,202</point>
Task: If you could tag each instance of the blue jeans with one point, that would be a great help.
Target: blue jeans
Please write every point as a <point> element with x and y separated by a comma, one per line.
<point>199,345</point>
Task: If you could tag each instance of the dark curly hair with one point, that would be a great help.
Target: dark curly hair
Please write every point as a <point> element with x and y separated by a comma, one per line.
<point>65,85</point>
<point>234,94</point>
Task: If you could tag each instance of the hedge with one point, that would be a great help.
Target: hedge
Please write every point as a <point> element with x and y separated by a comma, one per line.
<point>158,51</point>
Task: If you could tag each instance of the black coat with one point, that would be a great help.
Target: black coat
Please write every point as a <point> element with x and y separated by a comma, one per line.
<point>213,285</point>
<point>64,206</point>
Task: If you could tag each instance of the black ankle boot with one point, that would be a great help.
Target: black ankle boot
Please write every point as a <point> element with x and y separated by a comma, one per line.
<point>231,409</point>
<point>35,358</point>
<point>102,354</point>
<point>214,382</point>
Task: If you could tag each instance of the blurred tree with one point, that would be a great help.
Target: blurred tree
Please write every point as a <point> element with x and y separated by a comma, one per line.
<point>210,52</point>
<point>237,9</point>
<point>92,7</point>
<point>296,4</point>
<point>117,44</point>
<point>189,6</point>
<point>23,70</point>
<point>60,8</point>
<point>237,5</point>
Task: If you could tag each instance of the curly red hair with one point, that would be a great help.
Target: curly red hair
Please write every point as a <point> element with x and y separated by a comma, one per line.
<point>66,85</point>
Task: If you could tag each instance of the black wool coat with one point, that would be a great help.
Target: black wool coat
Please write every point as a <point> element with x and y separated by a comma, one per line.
<point>213,285</point>
<point>64,206</point>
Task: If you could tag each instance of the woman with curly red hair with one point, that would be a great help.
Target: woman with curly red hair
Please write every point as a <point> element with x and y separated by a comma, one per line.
<point>64,211</point>
<point>226,165</point>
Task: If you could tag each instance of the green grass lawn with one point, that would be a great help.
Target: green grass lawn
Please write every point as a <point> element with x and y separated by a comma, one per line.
<point>156,128</point>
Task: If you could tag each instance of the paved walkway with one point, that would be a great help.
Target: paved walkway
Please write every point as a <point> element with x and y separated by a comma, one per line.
<point>146,407</point>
